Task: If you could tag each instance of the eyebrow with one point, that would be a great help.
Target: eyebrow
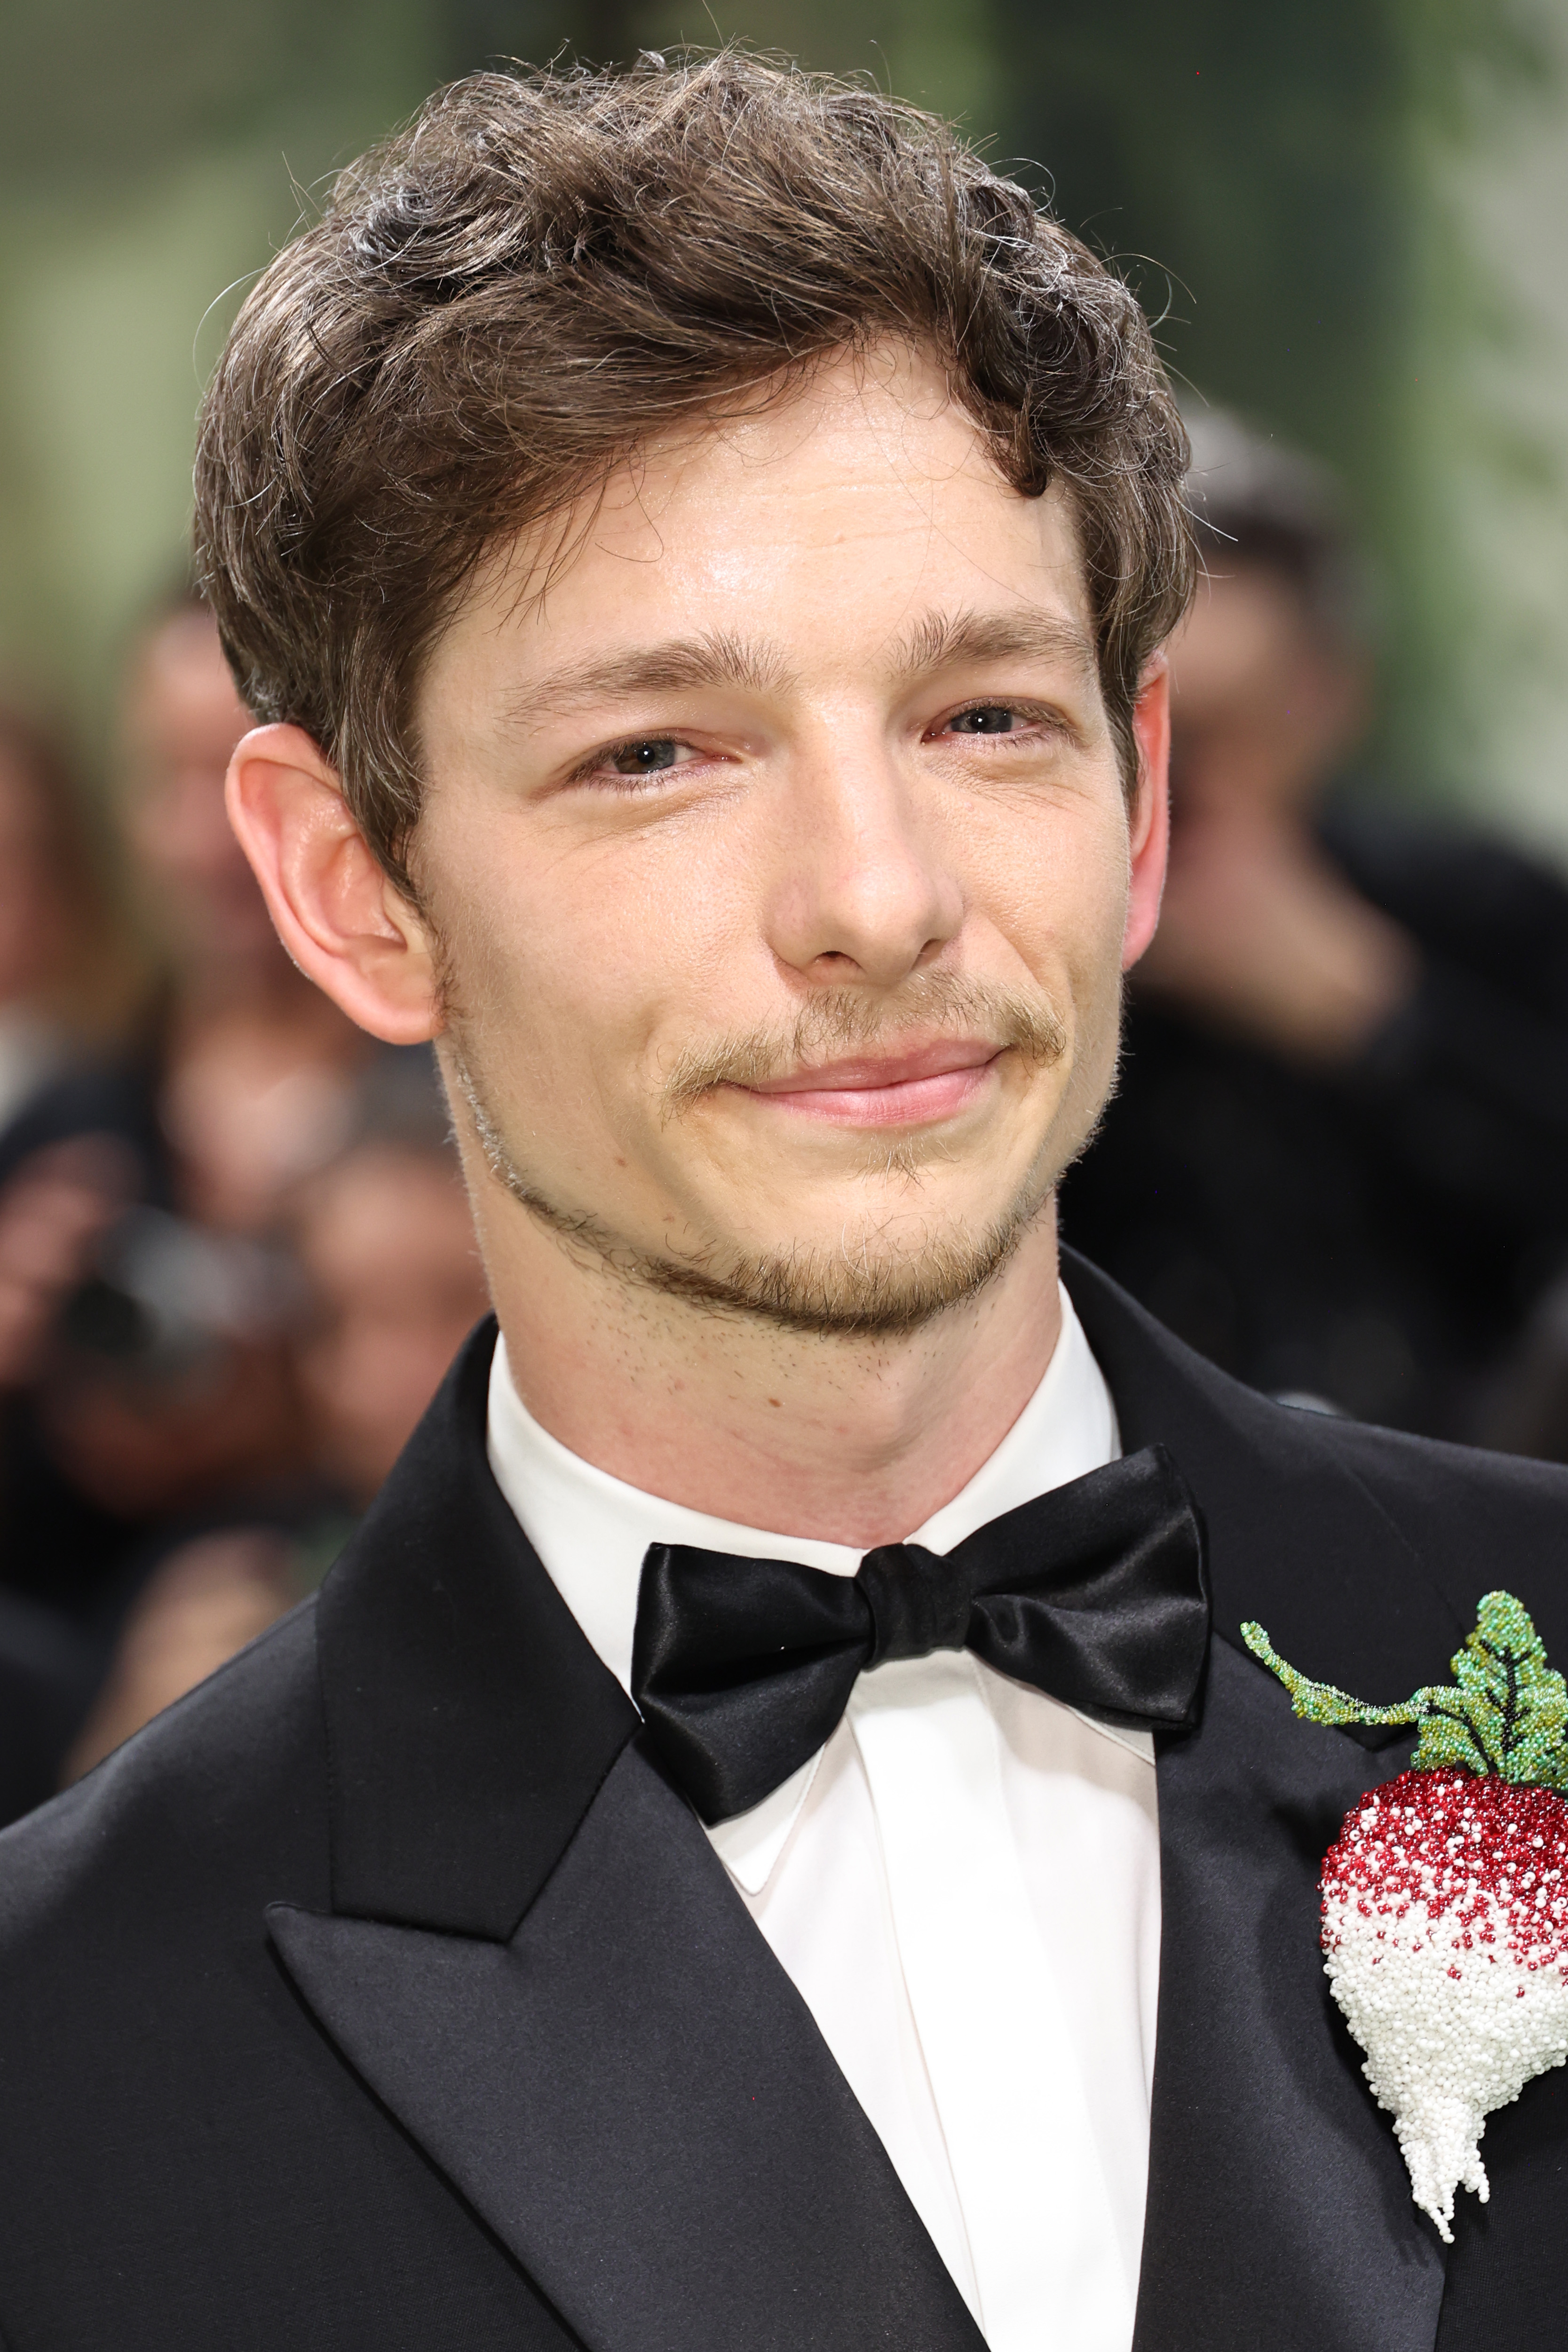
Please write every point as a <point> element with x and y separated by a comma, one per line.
<point>947,640</point>
<point>677,666</point>
<point>939,641</point>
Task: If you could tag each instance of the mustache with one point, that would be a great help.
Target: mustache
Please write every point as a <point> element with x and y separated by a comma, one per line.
<point>850,1020</point>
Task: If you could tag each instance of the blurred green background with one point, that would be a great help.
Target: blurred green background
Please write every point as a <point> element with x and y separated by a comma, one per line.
<point>1349,217</point>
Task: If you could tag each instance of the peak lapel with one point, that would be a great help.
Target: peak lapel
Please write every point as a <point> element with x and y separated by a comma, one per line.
<point>468,1721</point>
<point>1279,2209</point>
<point>537,1963</point>
<point>633,2097</point>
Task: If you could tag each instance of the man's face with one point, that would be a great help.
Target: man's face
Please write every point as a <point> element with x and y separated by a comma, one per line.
<point>779,855</point>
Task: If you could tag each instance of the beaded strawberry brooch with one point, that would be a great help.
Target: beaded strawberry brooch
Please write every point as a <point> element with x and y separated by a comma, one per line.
<point>1446,1898</point>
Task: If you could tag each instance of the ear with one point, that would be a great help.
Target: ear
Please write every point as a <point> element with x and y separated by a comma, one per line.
<point>1151,815</point>
<point>342,920</point>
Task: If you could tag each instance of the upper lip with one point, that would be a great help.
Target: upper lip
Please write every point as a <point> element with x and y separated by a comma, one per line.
<point>866,1070</point>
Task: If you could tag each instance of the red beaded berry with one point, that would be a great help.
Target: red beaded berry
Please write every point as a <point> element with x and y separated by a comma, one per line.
<point>1445,1898</point>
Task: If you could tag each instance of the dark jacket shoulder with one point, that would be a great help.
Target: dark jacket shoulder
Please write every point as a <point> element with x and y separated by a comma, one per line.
<point>210,1809</point>
<point>1364,1550</point>
<point>184,2160</point>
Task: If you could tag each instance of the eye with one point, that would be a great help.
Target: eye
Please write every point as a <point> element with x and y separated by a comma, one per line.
<point>984,719</point>
<point>650,757</point>
<point>640,759</point>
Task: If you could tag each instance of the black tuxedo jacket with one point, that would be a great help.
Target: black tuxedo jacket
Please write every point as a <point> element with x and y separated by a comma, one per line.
<point>381,1996</point>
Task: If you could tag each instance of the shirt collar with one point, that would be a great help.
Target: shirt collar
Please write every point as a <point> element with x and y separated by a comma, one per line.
<point>591,1530</point>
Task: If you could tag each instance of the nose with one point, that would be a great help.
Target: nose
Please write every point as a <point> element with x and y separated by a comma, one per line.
<point>864,890</point>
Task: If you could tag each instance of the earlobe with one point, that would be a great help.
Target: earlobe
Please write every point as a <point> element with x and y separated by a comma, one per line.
<point>1150,830</point>
<point>339,915</point>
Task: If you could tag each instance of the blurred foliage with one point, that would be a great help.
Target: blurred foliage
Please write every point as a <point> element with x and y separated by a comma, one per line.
<point>1286,185</point>
<point>1481,542</point>
<point>152,157</point>
<point>102,94</point>
<point>1244,161</point>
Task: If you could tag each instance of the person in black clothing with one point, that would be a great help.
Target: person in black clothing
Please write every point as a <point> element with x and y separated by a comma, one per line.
<point>144,1376</point>
<point>1337,1161</point>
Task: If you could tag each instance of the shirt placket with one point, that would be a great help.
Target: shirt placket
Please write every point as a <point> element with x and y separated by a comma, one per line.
<point>1004,2072</point>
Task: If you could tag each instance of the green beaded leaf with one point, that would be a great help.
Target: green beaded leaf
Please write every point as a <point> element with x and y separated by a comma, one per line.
<point>1506,1711</point>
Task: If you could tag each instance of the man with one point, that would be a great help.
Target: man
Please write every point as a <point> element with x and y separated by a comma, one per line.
<point>698,547</point>
<point>1337,1159</point>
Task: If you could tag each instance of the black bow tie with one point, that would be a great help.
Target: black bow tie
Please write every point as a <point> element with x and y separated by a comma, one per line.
<point>1095,1593</point>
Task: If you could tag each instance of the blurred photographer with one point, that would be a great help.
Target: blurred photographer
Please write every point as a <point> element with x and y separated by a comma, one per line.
<point>144,1307</point>
<point>393,1284</point>
<point>1337,1162</point>
<point>63,962</point>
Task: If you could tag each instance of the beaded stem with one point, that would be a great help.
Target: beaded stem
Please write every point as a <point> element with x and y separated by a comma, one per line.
<point>1506,1711</point>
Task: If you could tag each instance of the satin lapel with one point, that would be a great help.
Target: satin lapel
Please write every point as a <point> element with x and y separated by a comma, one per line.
<point>632,2095</point>
<point>1280,2210</point>
<point>537,1963</point>
<point>1295,1540</point>
<point>469,1720</point>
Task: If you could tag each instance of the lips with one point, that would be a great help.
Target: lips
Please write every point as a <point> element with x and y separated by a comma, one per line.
<point>929,1082</point>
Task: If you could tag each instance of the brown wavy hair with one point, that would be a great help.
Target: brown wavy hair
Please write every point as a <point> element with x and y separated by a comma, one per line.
<point>544,271</point>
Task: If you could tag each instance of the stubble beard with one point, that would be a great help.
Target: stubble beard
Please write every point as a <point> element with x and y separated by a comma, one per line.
<point>866,1287</point>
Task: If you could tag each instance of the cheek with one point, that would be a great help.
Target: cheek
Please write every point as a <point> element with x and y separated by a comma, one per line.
<point>560,969</point>
<point>1058,894</point>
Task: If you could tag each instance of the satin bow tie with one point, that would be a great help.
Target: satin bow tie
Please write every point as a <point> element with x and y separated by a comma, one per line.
<point>1095,1593</point>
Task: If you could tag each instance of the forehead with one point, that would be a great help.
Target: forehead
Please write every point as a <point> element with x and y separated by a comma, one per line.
<point>826,518</point>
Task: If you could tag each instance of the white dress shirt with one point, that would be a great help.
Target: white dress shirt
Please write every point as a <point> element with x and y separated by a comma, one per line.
<point>963,1884</point>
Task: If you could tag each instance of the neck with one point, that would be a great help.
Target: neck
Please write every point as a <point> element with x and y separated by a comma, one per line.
<point>850,1440</point>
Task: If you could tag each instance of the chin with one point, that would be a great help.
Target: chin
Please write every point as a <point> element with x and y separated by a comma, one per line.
<point>849,1277</point>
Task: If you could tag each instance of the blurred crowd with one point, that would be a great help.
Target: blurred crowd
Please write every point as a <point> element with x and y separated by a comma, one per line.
<point>1337,1161</point>
<point>235,1252</point>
